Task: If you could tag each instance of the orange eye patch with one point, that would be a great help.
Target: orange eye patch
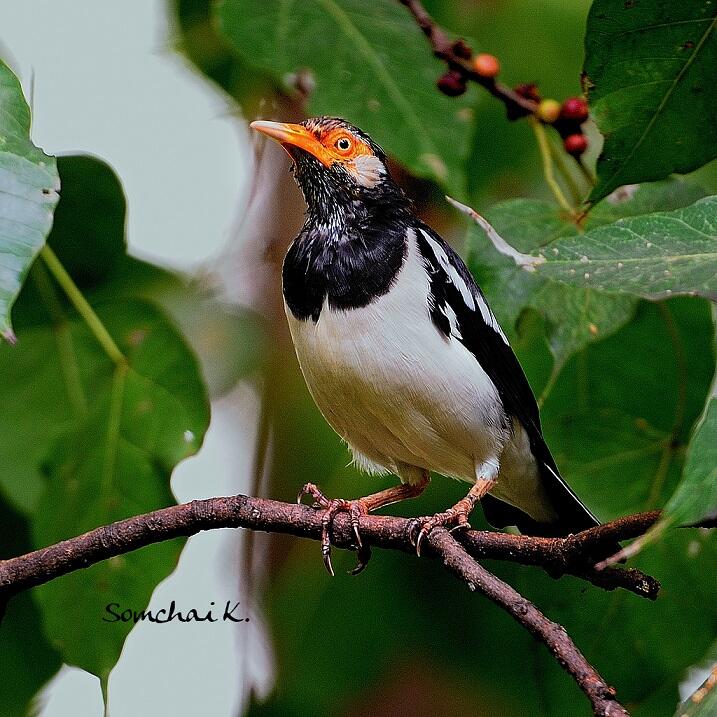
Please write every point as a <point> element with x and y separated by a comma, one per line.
<point>343,145</point>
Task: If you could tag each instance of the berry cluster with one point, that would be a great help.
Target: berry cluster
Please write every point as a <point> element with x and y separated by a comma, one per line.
<point>567,117</point>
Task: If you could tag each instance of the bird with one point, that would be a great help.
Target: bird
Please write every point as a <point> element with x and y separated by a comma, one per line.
<point>402,353</point>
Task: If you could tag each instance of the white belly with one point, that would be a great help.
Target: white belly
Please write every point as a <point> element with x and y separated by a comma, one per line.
<point>395,388</point>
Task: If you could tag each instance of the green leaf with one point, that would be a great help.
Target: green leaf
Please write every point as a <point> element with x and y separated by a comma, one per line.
<point>696,496</point>
<point>112,460</point>
<point>649,74</point>
<point>370,64</point>
<point>621,410</point>
<point>654,255</point>
<point>91,213</point>
<point>36,391</point>
<point>28,194</point>
<point>573,317</point>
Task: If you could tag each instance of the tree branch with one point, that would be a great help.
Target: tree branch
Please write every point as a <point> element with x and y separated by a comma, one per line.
<point>573,555</point>
<point>556,639</point>
<point>443,48</point>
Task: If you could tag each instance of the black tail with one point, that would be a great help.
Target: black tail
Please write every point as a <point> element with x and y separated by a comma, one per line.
<point>572,515</point>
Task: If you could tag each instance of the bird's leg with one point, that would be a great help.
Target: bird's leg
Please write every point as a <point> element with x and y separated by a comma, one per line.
<point>458,514</point>
<point>356,508</point>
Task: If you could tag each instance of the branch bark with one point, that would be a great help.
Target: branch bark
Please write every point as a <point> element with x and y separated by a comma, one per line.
<point>573,555</point>
<point>443,48</point>
<point>601,695</point>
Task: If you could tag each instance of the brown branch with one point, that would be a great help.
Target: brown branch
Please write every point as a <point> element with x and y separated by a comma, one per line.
<point>443,49</point>
<point>574,555</point>
<point>556,639</point>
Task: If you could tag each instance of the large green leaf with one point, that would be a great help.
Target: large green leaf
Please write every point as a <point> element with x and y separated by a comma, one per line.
<point>574,316</point>
<point>28,194</point>
<point>649,74</point>
<point>91,213</point>
<point>113,461</point>
<point>370,64</point>
<point>654,255</point>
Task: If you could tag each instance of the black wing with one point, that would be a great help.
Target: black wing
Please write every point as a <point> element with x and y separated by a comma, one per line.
<point>452,285</point>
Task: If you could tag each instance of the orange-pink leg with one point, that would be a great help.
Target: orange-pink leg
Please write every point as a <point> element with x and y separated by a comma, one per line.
<point>458,514</point>
<point>356,508</point>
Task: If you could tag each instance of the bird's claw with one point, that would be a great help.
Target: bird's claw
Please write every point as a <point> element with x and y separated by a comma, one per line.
<point>425,525</point>
<point>331,508</point>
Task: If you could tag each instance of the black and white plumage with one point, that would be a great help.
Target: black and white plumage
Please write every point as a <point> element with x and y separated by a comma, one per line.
<point>399,347</point>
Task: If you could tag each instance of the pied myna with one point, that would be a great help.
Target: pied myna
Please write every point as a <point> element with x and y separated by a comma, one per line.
<point>402,353</point>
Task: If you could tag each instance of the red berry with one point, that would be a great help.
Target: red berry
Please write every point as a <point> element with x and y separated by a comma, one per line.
<point>486,65</point>
<point>548,111</point>
<point>575,109</point>
<point>575,144</point>
<point>462,50</point>
<point>452,83</point>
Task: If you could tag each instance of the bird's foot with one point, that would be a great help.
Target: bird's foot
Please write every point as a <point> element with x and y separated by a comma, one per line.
<point>456,517</point>
<point>330,508</point>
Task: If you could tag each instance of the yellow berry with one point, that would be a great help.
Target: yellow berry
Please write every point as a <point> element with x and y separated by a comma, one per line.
<point>548,111</point>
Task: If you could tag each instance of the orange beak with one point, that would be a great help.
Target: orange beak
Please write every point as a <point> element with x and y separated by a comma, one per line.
<point>294,135</point>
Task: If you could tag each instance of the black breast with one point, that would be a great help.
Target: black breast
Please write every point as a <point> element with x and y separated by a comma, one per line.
<point>351,265</point>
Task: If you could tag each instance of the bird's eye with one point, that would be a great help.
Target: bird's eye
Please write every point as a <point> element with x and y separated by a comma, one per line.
<point>343,144</point>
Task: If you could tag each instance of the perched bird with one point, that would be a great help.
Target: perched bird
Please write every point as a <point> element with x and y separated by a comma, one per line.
<point>401,351</point>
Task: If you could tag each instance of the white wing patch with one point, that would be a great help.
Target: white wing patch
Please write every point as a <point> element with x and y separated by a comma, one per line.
<point>455,277</point>
<point>489,318</point>
<point>473,301</point>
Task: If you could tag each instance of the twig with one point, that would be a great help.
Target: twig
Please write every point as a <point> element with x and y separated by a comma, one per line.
<point>553,636</point>
<point>525,261</point>
<point>516,104</point>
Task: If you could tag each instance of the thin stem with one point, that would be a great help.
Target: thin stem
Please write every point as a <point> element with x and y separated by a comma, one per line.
<point>80,303</point>
<point>562,166</point>
<point>544,148</point>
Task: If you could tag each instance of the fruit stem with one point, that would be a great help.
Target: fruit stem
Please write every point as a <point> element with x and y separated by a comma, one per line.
<point>544,148</point>
<point>567,175</point>
<point>80,303</point>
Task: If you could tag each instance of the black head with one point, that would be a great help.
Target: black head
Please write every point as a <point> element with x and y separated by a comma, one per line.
<point>335,164</point>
